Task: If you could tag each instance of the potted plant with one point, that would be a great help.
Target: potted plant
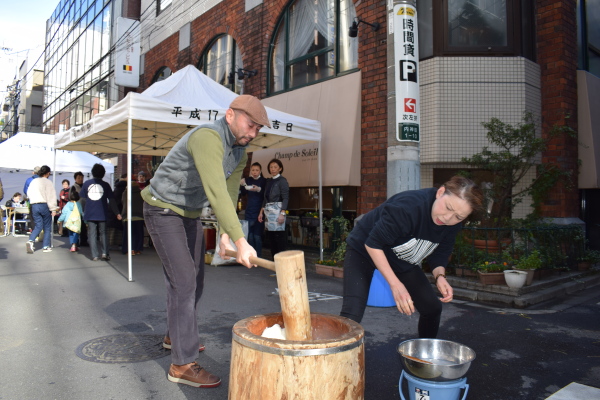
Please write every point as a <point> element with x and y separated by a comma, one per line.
<point>515,279</point>
<point>492,272</point>
<point>515,151</point>
<point>329,268</point>
<point>587,259</point>
<point>465,258</point>
<point>340,227</point>
<point>529,264</point>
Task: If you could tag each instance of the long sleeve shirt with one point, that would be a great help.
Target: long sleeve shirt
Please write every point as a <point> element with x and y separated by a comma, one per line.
<point>403,228</point>
<point>195,167</point>
<point>41,190</point>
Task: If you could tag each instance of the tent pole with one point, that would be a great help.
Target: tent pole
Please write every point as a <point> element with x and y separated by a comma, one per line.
<point>128,216</point>
<point>53,184</point>
<point>320,204</point>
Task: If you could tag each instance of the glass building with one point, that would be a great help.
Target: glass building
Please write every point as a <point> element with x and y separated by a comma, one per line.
<point>78,63</point>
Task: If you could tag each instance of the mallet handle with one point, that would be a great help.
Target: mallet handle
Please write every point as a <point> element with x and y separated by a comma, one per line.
<point>261,262</point>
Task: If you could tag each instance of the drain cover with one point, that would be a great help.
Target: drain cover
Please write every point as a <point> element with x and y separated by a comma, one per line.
<point>122,348</point>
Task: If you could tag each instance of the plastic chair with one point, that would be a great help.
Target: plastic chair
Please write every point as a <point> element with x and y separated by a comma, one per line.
<point>5,220</point>
<point>22,211</point>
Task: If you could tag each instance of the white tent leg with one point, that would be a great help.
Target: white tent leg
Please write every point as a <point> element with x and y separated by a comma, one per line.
<point>128,216</point>
<point>320,205</point>
<point>53,184</point>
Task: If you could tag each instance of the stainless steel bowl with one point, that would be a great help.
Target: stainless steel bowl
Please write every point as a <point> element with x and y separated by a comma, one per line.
<point>450,360</point>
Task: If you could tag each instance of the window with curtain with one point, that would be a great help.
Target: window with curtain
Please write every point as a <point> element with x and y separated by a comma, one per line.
<point>473,23</point>
<point>221,60</point>
<point>476,27</point>
<point>311,43</point>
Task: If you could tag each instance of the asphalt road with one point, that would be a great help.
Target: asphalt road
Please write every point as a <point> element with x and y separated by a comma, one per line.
<point>51,303</point>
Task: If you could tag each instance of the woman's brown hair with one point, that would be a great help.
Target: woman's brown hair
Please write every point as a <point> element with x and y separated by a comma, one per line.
<point>467,190</point>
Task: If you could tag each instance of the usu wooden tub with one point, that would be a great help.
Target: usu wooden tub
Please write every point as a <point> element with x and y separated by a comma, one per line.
<point>330,366</point>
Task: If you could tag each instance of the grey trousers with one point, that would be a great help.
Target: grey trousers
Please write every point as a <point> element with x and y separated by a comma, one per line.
<point>97,232</point>
<point>179,242</point>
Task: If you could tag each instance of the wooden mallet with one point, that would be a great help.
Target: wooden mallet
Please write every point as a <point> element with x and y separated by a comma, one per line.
<point>293,291</point>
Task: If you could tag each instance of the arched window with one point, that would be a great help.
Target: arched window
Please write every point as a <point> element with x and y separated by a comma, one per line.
<point>162,74</point>
<point>220,60</point>
<point>311,43</point>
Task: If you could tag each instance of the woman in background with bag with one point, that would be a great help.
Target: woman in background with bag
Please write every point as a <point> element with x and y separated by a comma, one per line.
<point>71,219</point>
<point>277,195</point>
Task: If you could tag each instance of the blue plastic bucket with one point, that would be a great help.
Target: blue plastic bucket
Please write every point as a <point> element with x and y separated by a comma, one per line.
<point>419,389</point>
<point>380,294</point>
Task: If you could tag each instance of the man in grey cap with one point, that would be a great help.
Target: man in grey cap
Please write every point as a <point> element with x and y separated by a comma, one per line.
<point>34,175</point>
<point>204,167</point>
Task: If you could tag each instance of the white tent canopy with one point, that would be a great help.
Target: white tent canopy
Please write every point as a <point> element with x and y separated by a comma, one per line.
<point>26,150</point>
<point>165,111</point>
<point>150,123</point>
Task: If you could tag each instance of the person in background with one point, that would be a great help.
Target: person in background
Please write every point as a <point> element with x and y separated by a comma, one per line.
<point>98,197</point>
<point>137,220</point>
<point>34,175</point>
<point>64,217</point>
<point>142,182</point>
<point>78,178</point>
<point>63,199</point>
<point>253,187</point>
<point>42,197</point>
<point>1,215</point>
<point>120,187</point>
<point>275,203</point>
<point>204,167</point>
<point>17,201</point>
<point>396,237</point>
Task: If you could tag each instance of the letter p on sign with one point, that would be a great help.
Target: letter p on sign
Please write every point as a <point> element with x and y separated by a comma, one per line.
<point>408,71</point>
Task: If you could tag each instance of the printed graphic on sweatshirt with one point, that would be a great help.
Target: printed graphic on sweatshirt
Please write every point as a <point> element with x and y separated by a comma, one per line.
<point>415,250</point>
<point>95,192</point>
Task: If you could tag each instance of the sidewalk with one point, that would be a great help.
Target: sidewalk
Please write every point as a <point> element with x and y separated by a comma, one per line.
<point>67,324</point>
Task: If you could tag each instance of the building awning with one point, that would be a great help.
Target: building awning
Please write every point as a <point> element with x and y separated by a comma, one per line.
<point>336,104</point>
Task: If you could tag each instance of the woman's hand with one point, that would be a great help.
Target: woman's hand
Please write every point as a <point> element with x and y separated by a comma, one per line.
<point>280,219</point>
<point>260,215</point>
<point>445,289</point>
<point>402,298</point>
<point>442,284</point>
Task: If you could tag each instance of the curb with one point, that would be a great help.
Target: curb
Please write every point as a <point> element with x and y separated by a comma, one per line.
<point>526,300</point>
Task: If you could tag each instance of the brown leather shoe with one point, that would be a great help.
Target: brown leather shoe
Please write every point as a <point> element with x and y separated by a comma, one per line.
<point>167,344</point>
<point>194,375</point>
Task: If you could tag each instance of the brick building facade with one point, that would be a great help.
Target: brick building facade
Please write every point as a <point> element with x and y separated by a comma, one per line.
<point>550,70</point>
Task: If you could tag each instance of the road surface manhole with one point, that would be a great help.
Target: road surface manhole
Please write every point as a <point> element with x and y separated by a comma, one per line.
<point>122,348</point>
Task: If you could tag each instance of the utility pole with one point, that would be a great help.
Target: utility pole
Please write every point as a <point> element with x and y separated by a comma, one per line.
<point>16,100</point>
<point>403,156</point>
<point>11,103</point>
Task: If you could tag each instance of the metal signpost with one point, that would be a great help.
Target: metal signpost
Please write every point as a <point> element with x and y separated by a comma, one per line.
<point>404,170</point>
